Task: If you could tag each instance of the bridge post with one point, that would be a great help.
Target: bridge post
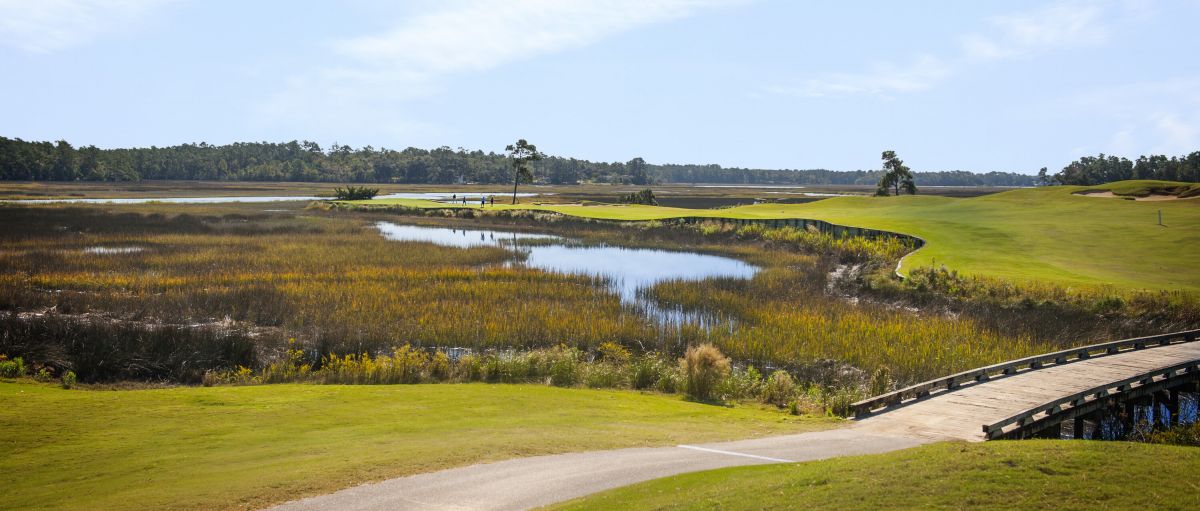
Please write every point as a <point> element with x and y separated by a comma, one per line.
<point>1131,412</point>
<point>1173,407</point>
<point>1078,428</point>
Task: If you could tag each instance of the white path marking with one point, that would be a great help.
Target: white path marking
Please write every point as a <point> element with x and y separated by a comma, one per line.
<point>731,453</point>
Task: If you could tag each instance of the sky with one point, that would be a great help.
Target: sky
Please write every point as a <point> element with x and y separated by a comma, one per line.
<point>970,85</point>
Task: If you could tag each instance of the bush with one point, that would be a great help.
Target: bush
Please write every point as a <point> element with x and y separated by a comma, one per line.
<point>645,196</point>
<point>646,371</point>
<point>68,379</point>
<point>614,353</point>
<point>604,376</point>
<point>838,400</point>
<point>564,367</point>
<point>12,368</point>
<point>703,367</point>
<point>1184,434</point>
<point>881,381</point>
<point>210,378</point>
<point>670,381</point>
<point>355,193</point>
<point>779,389</point>
<point>43,375</point>
<point>741,384</point>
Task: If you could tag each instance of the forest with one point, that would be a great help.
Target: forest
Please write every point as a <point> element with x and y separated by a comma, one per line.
<point>22,160</point>
<point>1094,170</point>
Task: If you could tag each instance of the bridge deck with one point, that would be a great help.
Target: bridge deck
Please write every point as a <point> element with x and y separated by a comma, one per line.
<point>962,413</point>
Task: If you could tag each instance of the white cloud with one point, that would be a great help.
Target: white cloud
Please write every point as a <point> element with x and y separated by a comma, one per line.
<point>409,60</point>
<point>1055,26</point>
<point>1161,117</point>
<point>1063,24</point>
<point>44,26</point>
<point>1177,135</point>
<point>883,79</point>
<point>483,34</point>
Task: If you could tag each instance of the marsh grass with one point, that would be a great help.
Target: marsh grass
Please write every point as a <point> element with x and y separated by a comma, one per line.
<point>328,279</point>
<point>1043,310</point>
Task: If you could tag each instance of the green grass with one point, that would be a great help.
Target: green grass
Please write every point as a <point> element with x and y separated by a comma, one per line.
<point>1027,235</point>
<point>236,447</point>
<point>1147,187</point>
<point>1031,474</point>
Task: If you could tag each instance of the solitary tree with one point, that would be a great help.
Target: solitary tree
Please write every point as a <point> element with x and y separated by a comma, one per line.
<point>521,154</point>
<point>1043,177</point>
<point>896,176</point>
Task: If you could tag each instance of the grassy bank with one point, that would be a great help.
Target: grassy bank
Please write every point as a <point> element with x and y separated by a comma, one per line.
<point>1044,234</point>
<point>1030,474</point>
<point>238,447</point>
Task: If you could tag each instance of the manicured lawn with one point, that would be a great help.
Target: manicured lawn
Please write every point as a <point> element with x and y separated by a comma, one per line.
<point>1147,187</point>
<point>237,447</point>
<point>1031,474</point>
<point>1042,234</point>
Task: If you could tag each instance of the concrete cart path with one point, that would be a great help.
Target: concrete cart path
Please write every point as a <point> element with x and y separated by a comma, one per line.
<point>531,482</point>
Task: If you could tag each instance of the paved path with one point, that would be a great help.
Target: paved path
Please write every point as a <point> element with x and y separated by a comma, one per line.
<point>531,482</point>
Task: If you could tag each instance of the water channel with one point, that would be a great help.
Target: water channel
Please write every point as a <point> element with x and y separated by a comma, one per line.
<point>628,271</point>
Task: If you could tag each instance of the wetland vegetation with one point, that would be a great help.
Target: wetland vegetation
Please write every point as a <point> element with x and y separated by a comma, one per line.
<point>298,313</point>
<point>235,293</point>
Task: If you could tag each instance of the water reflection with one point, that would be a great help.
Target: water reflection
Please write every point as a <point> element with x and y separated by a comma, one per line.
<point>113,250</point>
<point>280,198</point>
<point>462,238</point>
<point>629,271</point>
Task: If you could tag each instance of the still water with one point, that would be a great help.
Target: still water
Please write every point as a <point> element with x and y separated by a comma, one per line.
<point>282,198</point>
<point>627,270</point>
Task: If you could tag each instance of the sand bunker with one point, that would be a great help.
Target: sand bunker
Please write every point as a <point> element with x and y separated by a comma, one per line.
<point>1149,198</point>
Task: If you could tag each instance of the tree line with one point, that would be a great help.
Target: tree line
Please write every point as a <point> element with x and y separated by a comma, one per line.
<point>1094,170</point>
<point>308,161</point>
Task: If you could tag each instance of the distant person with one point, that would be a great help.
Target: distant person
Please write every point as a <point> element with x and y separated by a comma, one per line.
<point>482,201</point>
<point>453,197</point>
<point>493,199</point>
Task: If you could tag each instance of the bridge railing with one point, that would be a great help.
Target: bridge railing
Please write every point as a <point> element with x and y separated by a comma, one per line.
<point>949,383</point>
<point>1031,415</point>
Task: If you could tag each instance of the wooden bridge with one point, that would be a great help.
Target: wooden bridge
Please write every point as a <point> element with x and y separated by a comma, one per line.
<point>1036,396</point>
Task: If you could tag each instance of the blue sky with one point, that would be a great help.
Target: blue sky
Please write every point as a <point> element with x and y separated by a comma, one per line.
<point>975,85</point>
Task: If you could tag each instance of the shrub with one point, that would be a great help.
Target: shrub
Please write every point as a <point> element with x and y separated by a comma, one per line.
<point>210,378</point>
<point>741,384</point>
<point>670,381</point>
<point>68,379</point>
<point>43,375</point>
<point>645,196</point>
<point>881,381</point>
<point>439,366</point>
<point>355,193</point>
<point>614,353</point>
<point>564,367</point>
<point>838,400</point>
<point>604,376</point>
<point>12,368</point>
<point>709,228</point>
<point>1184,434</point>
<point>779,389</point>
<point>646,371</point>
<point>703,367</point>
